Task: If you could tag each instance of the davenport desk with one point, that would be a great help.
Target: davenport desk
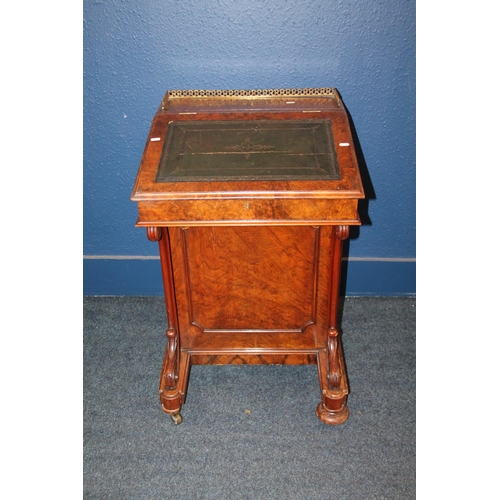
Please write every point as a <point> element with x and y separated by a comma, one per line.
<point>250,195</point>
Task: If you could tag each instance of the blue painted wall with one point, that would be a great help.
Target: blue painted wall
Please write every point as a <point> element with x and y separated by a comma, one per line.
<point>135,51</point>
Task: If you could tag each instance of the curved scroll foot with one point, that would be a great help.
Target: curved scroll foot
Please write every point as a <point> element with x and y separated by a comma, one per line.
<point>172,399</point>
<point>332,417</point>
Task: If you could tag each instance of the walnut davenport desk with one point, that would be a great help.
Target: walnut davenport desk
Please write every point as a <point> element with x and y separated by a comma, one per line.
<point>249,195</point>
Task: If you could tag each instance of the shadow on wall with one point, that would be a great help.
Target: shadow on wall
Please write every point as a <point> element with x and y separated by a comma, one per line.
<point>365,179</point>
<point>369,190</point>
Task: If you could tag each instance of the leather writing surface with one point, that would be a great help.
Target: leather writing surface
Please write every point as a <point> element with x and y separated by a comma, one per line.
<point>248,150</point>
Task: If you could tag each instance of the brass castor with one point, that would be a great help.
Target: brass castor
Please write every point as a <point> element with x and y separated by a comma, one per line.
<point>176,417</point>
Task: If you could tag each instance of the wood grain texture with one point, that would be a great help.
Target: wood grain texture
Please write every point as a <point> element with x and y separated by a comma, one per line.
<point>236,358</point>
<point>249,211</point>
<point>247,288</point>
<point>243,278</point>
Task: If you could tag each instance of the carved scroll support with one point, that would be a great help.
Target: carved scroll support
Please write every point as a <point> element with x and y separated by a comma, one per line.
<point>333,409</point>
<point>153,233</point>
<point>333,373</point>
<point>170,372</point>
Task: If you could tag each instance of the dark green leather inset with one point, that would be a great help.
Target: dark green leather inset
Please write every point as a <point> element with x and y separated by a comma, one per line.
<point>248,150</point>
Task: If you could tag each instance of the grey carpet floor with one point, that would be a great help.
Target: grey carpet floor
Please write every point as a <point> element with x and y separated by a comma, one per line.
<point>248,432</point>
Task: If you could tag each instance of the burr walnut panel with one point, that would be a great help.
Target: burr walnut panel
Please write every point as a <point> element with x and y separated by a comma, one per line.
<point>242,279</point>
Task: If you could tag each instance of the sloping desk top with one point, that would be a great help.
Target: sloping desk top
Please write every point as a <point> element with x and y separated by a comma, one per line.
<point>266,157</point>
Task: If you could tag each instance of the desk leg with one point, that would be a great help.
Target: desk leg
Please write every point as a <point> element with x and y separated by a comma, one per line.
<point>331,369</point>
<point>171,389</point>
<point>172,399</point>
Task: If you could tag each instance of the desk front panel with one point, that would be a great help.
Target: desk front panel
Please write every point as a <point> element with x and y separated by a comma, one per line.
<point>263,287</point>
